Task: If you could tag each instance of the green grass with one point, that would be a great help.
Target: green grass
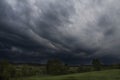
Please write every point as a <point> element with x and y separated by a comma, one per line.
<point>100,75</point>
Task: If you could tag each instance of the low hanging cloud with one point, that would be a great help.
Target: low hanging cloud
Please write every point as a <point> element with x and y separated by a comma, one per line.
<point>72,26</point>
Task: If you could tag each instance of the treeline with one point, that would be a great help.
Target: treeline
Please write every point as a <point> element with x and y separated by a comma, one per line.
<point>9,71</point>
<point>53,67</point>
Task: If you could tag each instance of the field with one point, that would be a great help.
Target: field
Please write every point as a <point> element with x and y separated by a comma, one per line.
<point>96,75</point>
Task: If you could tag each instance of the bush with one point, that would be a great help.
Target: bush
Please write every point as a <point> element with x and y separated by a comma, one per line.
<point>70,78</point>
<point>5,70</point>
<point>96,64</point>
<point>55,67</point>
<point>84,69</point>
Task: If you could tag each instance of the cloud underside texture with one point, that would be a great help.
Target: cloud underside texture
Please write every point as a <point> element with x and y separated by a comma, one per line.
<point>78,29</point>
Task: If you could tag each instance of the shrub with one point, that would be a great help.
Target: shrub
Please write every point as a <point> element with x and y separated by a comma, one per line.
<point>55,67</point>
<point>70,78</point>
<point>4,70</point>
<point>96,64</point>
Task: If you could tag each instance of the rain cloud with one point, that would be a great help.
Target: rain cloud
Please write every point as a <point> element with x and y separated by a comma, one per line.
<point>78,29</point>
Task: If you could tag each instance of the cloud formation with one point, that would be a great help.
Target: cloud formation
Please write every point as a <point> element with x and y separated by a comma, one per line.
<point>83,28</point>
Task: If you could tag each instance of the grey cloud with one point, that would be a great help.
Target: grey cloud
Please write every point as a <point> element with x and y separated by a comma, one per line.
<point>21,17</point>
<point>74,26</point>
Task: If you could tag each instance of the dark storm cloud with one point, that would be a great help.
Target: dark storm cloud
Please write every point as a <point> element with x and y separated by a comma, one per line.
<point>24,21</point>
<point>79,28</point>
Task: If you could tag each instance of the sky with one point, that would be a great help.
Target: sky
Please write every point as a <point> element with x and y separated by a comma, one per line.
<point>74,31</point>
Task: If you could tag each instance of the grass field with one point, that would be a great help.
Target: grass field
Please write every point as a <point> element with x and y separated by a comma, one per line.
<point>100,75</point>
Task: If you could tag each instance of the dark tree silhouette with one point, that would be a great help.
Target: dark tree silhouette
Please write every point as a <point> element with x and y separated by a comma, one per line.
<point>55,67</point>
<point>4,70</point>
<point>96,64</point>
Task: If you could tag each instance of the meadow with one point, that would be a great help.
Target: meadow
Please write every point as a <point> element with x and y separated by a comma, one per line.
<point>94,75</point>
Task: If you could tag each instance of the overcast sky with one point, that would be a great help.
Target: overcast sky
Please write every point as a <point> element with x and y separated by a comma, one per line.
<point>72,30</point>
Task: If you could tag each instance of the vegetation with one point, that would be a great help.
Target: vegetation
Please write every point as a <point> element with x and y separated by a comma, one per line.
<point>82,69</point>
<point>6,70</point>
<point>96,64</point>
<point>96,75</point>
<point>56,67</point>
<point>53,67</point>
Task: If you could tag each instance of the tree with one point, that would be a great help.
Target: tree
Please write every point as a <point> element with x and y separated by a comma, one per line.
<point>55,67</point>
<point>96,64</point>
<point>12,71</point>
<point>118,66</point>
<point>4,70</point>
